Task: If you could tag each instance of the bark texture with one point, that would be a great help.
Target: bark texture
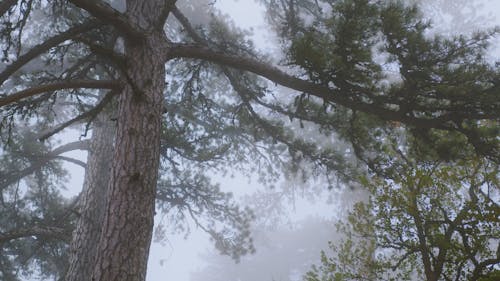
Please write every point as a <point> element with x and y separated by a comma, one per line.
<point>124,244</point>
<point>92,199</point>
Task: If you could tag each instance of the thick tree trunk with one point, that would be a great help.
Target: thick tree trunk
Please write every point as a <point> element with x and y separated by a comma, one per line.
<point>92,199</point>
<point>124,244</point>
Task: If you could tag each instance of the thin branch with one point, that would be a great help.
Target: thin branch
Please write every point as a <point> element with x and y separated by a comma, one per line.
<point>45,46</point>
<point>104,12</point>
<point>184,21</point>
<point>91,114</point>
<point>13,177</point>
<point>71,84</point>
<point>477,273</point>
<point>76,145</point>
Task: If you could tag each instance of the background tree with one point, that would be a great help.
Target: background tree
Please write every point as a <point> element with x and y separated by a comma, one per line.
<point>435,222</point>
<point>36,219</point>
<point>284,252</point>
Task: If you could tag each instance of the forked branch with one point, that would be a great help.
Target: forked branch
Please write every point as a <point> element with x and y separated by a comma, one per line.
<point>44,47</point>
<point>88,115</point>
<point>105,13</point>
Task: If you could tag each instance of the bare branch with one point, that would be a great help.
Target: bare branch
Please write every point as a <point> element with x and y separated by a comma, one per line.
<point>104,12</point>
<point>76,145</point>
<point>72,160</point>
<point>184,21</point>
<point>71,84</point>
<point>43,47</point>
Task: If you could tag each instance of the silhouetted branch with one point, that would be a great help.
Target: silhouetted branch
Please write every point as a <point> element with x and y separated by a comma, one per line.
<point>71,84</point>
<point>45,46</point>
<point>12,177</point>
<point>165,12</point>
<point>184,21</point>
<point>72,160</point>
<point>104,12</point>
<point>91,114</point>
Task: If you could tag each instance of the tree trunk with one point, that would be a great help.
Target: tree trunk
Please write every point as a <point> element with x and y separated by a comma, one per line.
<point>124,244</point>
<point>92,199</point>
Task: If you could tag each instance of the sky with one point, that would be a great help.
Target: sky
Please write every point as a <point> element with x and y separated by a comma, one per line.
<point>176,257</point>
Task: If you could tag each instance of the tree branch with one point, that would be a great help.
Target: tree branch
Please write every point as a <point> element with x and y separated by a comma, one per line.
<point>72,160</point>
<point>71,84</point>
<point>91,114</point>
<point>105,53</point>
<point>198,51</point>
<point>169,6</point>
<point>43,231</point>
<point>45,46</point>
<point>76,145</point>
<point>477,273</point>
<point>104,12</point>
<point>15,176</point>
<point>184,21</point>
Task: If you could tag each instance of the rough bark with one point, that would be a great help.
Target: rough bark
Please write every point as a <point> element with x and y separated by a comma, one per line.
<point>124,244</point>
<point>92,199</point>
<point>6,5</point>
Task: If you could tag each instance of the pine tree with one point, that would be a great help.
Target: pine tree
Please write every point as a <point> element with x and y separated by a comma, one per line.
<point>445,100</point>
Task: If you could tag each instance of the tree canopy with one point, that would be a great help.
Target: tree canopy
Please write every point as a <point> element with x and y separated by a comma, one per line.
<point>435,222</point>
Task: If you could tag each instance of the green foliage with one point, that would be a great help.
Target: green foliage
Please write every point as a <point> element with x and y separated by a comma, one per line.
<point>35,219</point>
<point>383,56</point>
<point>348,32</point>
<point>433,220</point>
<point>186,196</point>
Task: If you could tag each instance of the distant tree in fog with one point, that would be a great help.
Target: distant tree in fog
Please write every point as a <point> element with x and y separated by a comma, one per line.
<point>283,253</point>
<point>434,222</point>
